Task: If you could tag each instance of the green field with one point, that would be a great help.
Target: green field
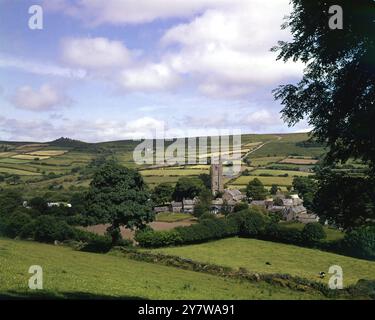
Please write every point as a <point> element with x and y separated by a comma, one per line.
<point>173,172</point>
<point>73,274</point>
<point>18,172</point>
<point>263,161</point>
<point>286,259</point>
<point>267,181</point>
<point>172,217</point>
<point>290,173</point>
<point>70,160</point>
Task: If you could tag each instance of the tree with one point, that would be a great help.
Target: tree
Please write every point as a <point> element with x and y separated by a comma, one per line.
<point>240,206</point>
<point>255,190</point>
<point>119,196</point>
<point>162,194</point>
<point>345,201</point>
<point>15,222</point>
<point>274,189</point>
<point>337,92</point>
<point>188,188</point>
<point>9,200</point>
<point>39,204</point>
<point>304,185</point>
<point>306,189</point>
<point>204,203</point>
<point>313,232</point>
<point>360,242</point>
<point>206,179</point>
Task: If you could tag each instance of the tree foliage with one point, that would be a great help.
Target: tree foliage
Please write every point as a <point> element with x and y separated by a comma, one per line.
<point>255,190</point>
<point>306,189</point>
<point>345,201</point>
<point>337,92</point>
<point>188,188</point>
<point>119,196</point>
<point>162,194</point>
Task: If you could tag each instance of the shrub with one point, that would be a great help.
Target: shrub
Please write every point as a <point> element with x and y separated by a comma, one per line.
<point>249,222</point>
<point>206,216</point>
<point>361,242</point>
<point>100,244</point>
<point>201,209</point>
<point>206,230</point>
<point>275,217</point>
<point>27,231</point>
<point>313,232</point>
<point>13,225</point>
<point>39,204</point>
<point>289,235</point>
<point>277,233</point>
<point>48,229</point>
<point>240,206</point>
<point>154,239</point>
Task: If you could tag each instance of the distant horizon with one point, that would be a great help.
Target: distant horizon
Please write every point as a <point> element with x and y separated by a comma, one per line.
<point>138,139</point>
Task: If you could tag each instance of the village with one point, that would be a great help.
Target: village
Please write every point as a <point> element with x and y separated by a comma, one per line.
<point>290,207</point>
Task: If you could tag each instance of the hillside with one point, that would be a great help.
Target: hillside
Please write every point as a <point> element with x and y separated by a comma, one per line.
<point>72,274</point>
<point>282,258</point>
<point>65,165</point>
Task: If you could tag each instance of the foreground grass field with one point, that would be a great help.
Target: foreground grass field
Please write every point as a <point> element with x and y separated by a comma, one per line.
<point>287,259</point>
<point>69,273</point>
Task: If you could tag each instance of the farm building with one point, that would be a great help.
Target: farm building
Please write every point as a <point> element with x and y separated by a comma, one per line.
<point>188,205</point>
<point>292,209</point>
<point>233,195</point>
<point>176,207</point>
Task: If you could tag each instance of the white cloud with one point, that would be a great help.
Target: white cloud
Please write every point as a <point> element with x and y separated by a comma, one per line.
<point>92,131</point>
<point>149,77</point>
<point>224,51</point>
<point>117,12</point>
<point>94,53</point>
<point>44,98</point>
<point>40,68</point>
<point>228,51</point>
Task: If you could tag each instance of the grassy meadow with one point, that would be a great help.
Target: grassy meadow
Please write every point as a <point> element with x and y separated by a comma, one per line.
<point>254,255</point>
<point>73,274</point>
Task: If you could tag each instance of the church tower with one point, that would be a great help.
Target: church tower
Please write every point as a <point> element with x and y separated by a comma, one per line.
<point>217,183</point>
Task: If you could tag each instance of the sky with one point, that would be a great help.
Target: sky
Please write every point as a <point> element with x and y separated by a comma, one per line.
<point>125,69</point>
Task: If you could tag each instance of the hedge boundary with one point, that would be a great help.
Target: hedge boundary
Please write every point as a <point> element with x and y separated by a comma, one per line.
<point>364,289</point>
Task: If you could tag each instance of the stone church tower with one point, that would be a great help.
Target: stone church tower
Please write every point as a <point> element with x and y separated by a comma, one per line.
<point>217,183</point>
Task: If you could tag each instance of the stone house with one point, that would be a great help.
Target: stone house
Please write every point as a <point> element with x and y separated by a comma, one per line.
<point>233,195</point>
<point>176,207</point>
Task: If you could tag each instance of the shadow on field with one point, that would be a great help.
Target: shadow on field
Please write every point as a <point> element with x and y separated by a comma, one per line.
<point>50,295</point>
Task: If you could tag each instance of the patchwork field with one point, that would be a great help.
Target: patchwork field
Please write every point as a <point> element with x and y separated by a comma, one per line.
<point>286,259</point>
<point>267,181</point>
<point>18,171</point>
<point>72,274</point>
<point>281,172</point>
<point>299,161</point>
<point>62,166</point>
